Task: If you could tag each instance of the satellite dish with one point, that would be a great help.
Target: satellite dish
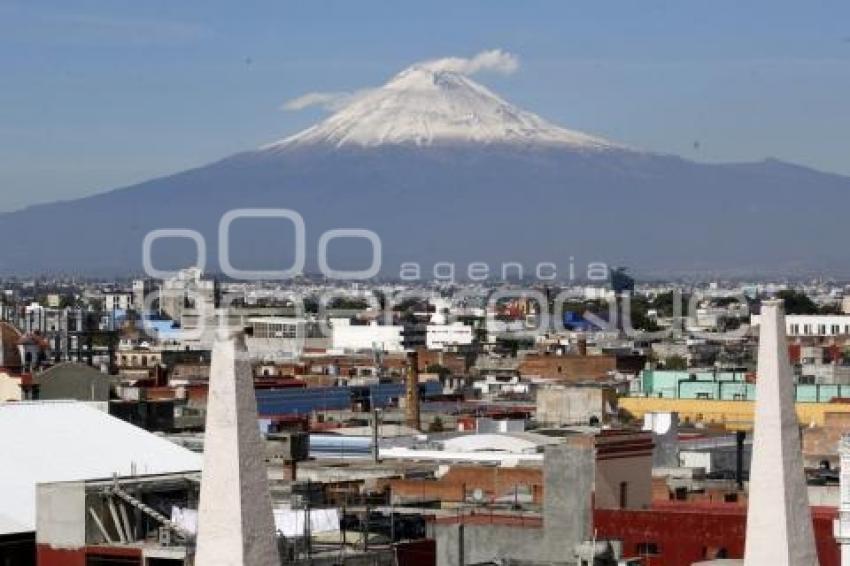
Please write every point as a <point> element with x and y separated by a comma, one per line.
<point>478,495</point>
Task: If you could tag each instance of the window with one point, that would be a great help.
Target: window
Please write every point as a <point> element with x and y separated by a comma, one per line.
<point>624,495</point>
<point>106,560</point>
<point>713,552</point>
<point>821,329</point>
<point>647,549</point>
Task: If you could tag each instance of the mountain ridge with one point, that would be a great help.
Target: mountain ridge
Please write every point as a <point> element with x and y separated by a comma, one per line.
<point>502,193</point>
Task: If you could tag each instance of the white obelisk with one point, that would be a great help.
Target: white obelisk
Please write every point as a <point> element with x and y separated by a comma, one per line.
<point>235,521</point>
<point>779,521</point>
<point>841,528</point>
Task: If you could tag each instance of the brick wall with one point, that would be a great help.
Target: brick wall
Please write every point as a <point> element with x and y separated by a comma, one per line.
<point>571,367</point>
<point>461,481</point>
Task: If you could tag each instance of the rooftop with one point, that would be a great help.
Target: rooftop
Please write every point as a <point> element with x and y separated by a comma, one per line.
<point>51,441</point>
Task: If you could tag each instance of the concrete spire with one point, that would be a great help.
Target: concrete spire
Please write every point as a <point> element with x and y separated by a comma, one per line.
<point>235,521</point>
<point>779,522</point>
<point>841,525</point>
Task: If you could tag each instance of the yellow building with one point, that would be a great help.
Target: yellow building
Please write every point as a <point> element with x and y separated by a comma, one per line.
<point>734,415</point>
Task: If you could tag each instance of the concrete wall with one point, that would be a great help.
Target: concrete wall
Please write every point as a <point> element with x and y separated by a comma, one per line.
<point>821,443</point>
<point>365,337</point>
<point>10,388</point>
<point>61,514</point>
<point>484,542</point>
<point>568,477</point>
<point>74,381</point>
<point>634,473</point>
<point>574,405</point>
<point>665,435</point>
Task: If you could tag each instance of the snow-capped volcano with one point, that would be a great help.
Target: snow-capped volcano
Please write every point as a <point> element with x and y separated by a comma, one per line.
<point>424,105</point>
<point>446,172</point>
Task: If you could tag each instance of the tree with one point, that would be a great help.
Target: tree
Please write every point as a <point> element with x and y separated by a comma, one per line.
<point>665,303</point>
<point>440,370</point>
<point>436,425</point>
<point>639,317</point>
<point>349,303</point>
<point>676,363</point>
<point>797,302</point>
<point>830,309</point>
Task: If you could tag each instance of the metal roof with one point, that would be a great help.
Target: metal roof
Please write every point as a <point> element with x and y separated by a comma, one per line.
<point>50,441</point>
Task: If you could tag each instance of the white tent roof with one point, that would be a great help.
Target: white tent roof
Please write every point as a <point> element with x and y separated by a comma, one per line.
<point>509,442</point>
<point>53,441</point>
<point>9,525</point>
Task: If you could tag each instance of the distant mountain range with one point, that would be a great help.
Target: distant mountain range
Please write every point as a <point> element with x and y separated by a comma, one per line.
<point>444,170</point>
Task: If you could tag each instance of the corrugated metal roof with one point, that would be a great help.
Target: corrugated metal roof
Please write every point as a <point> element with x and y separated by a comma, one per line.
<point>52,441</point>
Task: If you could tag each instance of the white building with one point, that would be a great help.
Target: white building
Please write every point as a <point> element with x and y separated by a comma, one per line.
<point>117,300</point>
<point>494,385</point>
<point>597,293</point>
<point>797,325</point>
<point>188,290</point>
<point>439,336</point>
<point>276,338</point>
<point>354,337</point>
<point>709,317</point>
<point>141,290</point>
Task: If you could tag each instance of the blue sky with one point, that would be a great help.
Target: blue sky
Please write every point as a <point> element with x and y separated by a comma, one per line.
<point>96,95</point>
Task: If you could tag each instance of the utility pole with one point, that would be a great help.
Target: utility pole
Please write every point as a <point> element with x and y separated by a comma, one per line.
<point>366,529</point>
<point>460,557</point>
<point>376,450</point>
<point>307,518</point>
<point>392,518</point>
